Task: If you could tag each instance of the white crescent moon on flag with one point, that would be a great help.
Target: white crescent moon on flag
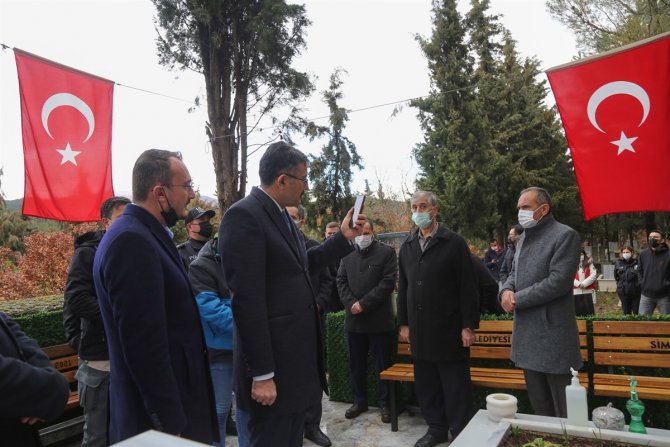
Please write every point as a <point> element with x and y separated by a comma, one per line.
<point>67,99</point>
<point>617,88</point>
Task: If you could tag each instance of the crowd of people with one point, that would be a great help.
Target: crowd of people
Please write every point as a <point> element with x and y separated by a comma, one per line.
<point>173,338</point>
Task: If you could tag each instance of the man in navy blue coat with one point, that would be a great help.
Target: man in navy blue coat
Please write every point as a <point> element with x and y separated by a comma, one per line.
<point>159,375</point>
<point>278,356</point>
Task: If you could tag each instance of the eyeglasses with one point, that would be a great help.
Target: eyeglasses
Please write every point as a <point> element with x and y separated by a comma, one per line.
<point>188,186</point>
<point>304,180</point>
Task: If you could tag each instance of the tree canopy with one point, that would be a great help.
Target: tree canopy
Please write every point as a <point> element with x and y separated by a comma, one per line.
<point>244,49</point>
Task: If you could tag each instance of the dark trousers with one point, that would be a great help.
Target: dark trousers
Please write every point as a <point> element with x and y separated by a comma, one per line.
<point>630,304</point>
<point>444,393</point>
<point>313,415</point>
<point>547,392</point>
<point>359,345</point>
<point>284,430</point>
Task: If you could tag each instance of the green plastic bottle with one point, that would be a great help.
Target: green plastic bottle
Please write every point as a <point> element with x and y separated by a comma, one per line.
<point>636,408</point>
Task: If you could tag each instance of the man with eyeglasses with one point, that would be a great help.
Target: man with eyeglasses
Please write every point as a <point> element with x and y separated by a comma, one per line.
<point>199,230</point>
<point>278,357</point>
<point>159,378</point>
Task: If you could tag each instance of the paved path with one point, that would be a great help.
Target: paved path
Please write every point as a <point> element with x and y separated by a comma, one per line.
<point>367,430</point>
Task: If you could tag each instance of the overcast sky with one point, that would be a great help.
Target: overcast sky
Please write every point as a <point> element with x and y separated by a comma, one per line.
<point>372,39</point>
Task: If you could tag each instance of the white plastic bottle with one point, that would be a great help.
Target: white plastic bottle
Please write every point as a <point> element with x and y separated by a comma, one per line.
<point>575,396</point>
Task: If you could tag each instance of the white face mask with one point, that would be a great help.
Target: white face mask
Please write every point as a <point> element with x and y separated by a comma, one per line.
<point>581,258</point>
<point>526,218</point>
<point>363,241</point>
<point>626,256</point>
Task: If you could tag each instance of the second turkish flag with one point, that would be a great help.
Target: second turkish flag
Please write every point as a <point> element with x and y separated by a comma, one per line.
<point>66,120</point>
<point>615,109</point>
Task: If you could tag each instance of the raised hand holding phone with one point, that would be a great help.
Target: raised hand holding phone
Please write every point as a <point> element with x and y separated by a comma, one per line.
<point>358,207</point>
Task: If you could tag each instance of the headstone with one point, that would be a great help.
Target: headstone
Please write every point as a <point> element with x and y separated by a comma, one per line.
<point>608,271</point>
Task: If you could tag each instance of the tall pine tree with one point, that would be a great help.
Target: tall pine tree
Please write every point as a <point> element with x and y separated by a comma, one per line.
<point>330,173</point>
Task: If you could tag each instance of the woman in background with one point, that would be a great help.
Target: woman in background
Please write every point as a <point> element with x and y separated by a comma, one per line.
<point>627,277</point>
<point>584,287</point>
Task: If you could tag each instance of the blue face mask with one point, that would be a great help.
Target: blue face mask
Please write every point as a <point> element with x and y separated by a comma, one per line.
<point>422,220</point>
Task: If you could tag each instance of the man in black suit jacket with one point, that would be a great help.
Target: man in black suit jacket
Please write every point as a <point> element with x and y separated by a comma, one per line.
<point>159,376</point>
<point>279,370</point>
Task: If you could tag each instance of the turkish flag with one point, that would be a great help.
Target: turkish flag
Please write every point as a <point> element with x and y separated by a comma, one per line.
<point>66,118</point>
<point>615,109</point>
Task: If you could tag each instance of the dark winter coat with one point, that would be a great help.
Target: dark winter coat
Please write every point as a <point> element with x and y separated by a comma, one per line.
<point>81,311</point>
<point>437,295</point>
<point>29,386</point>
<point>654,269</point>
<point>368,277</point>
<point>506,266</point>
<point>487,287</point>
<point>493,260</point>
<point>189,250</point>
<point>627,275</point>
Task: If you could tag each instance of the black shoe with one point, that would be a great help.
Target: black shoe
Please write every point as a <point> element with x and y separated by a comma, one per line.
<point>386,415</point>
<point>318,437</point>
<point>355,410</point>
<point>231,427</point>
<point>430,440</point>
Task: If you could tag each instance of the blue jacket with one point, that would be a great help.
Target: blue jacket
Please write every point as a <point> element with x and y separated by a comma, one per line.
<point>213,297</point>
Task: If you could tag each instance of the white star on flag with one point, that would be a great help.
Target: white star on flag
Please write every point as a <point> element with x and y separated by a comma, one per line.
<point>68,155</point>
<point>624,143</point>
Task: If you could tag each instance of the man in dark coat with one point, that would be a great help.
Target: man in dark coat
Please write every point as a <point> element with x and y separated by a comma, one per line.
<point>80,306</point>
<point>438,312</point>
<point>279,370</point>
<point>31,390</point>
<point>654,263</point>
<point>365,281</point>
<point>493,258</point>
<point>159,369</point>
<point>199,230</point>
<point>513,236</point>
<point>487,287</point>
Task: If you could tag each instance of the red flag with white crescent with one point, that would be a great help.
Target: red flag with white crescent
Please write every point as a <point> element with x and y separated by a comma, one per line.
<point>66,120</point>
<point>615,109</point>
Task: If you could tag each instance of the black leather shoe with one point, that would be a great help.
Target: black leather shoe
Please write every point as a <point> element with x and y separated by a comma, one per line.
<point>430,440</point>
<point>318,437</point>
<point>386,415</point>
<point>355,410</point>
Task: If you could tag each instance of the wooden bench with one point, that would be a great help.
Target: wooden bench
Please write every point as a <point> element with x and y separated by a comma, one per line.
<point>493,341</point>
<point>66,361</point>
<point>622,345</point>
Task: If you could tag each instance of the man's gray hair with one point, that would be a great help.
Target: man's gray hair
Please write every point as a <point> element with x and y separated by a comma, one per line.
<point>543,195</point>
<point>431,197</point>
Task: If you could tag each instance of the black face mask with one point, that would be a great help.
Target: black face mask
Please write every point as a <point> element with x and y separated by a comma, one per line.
<point>653,243</point>
<point>170,216</point>
<point>206,229</point>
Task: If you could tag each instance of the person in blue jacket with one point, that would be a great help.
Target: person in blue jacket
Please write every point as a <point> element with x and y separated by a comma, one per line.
<point>216,316</point>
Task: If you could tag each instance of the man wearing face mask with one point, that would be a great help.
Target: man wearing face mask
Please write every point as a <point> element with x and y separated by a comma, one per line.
<point>545,339</point>
<point>365,281</point>
<point>159,370</point>
<point>438,313</point>
<point>654,265</point>
<point>199,230</point>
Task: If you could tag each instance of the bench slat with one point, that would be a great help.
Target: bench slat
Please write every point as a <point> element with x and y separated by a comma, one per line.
<point>651,344</point>
<point>612,358</point>
<point>631,327</point>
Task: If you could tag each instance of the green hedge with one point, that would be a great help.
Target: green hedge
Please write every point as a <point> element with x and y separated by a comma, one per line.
<point>40,318</point>
<point>657,413</point>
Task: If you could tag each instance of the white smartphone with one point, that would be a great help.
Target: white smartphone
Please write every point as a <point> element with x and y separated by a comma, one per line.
<point>358,207</point>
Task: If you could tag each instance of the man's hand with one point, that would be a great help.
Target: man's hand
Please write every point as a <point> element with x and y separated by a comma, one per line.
<point>356,308</point>
<point>508,301</point>
<point>468,337</point>
<point>404,334</point>
<point>264,391</point>
<point>348,232</point>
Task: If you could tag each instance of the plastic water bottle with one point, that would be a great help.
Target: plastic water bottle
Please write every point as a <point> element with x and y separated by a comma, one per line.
<point>575,397</point>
